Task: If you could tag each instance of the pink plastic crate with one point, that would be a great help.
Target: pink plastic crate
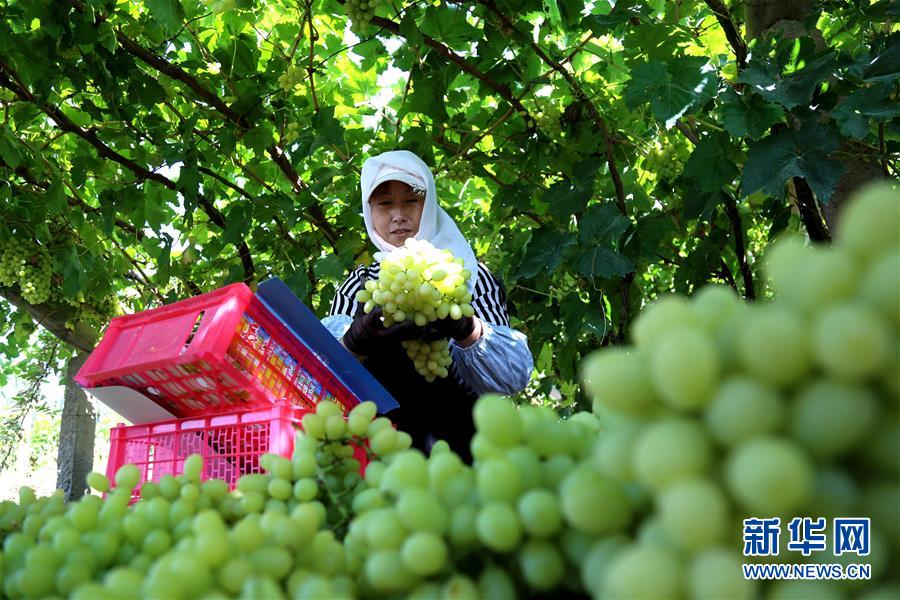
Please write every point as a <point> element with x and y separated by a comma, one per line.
<point>218,352</point>
<point>230,444</point>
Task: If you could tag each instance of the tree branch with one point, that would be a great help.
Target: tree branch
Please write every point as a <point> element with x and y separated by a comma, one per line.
<point>66,124</point>
<point>731,31</point>
<point>502,90</point>
<point>175,72</point>
<point>809,211</point>
<point>580,95</point>
<point>53,319</point>
<point>740,249</point>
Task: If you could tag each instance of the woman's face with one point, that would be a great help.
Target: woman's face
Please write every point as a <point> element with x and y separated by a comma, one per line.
<point>396,211</point>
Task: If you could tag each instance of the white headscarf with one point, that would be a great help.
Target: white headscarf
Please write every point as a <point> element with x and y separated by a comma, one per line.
<point>436,225</point>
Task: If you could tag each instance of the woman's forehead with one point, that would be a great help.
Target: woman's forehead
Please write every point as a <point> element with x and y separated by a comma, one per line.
<point>390,187</point>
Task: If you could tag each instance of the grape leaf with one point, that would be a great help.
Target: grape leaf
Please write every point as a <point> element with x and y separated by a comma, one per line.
<point>55,198</point>
<point>329,266</point>
<point>544,252</point>
<point>602,223</point>
<point>602,262</point>
<point>168,13</point>
<point>570,195</point>
<point>865,103</point>
<point>792,90</point>
<point>751,117</point>
<point>673,89</point>
<point>429,85</point>
<point>774,159</point>
<point>709,166</point>
<point>8,150</point>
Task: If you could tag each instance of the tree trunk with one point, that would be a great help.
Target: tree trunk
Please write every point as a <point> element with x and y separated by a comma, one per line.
<point>76,435</point>
<point>786,18</point>
<point>762,14</point>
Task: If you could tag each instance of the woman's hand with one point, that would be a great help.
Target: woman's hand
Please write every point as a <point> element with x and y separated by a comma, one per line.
<point>448,327</point>
<point>367,333</point>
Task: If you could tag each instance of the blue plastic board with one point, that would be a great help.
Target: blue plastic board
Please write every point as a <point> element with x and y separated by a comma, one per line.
<point>296,316</point>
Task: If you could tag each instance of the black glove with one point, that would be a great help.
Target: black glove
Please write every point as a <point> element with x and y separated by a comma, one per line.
<point>367,332</point>
<point>448,327</point>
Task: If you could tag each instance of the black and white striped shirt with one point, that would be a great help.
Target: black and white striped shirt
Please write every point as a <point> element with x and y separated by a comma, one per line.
<point>488,298</point>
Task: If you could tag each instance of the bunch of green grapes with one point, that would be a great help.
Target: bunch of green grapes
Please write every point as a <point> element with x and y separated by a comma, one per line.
<point>459,170</point>
<point>291,132</point>
<point>720,411</point>
<point>293,76</point>
<point>420,283</point>
<point>361,12</point>
<point>548,119</point>
<point>431,359</point>
<point>515,524</point>
<point>29,266</point>
<point>724,411</point>
<point>664,162</point>
<point>279,532</point>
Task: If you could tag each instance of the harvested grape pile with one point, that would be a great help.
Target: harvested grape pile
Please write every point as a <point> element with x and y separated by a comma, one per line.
<point>720,412</point>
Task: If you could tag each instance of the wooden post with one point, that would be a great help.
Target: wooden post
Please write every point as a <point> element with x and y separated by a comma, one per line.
<point>76,435</point>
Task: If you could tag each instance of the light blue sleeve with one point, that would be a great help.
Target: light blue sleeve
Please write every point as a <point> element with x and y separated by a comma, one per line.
<point>499,362</point>
<point>337,324</point>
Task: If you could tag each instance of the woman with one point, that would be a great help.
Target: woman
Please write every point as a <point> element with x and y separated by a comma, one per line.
<point>399,201</point>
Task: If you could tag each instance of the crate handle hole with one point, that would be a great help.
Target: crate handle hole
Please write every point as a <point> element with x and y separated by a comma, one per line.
<point>194,329</point>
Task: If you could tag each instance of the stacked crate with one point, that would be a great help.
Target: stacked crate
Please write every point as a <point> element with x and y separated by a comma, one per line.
<point>235,377</point>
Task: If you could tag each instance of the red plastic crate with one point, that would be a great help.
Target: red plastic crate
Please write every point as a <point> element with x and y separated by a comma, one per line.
<point>230,444</point>
<point>218,352</point>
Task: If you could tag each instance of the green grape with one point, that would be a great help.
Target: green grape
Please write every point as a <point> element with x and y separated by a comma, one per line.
<point>497,418</point>
<point>541,564</point>
<point>618,380</point>
<point>582,491</point>
<point>360,417</point>
<point>459,587</point>
<point>871,221</point>
<point>98,481</point>
<point>830,417</point>
<point>769,476</point>
<point>613,450</point>
<point>851,341</point>
<point>596,561</point>
<point>386,572</point>
<point>743,408</point>
<point>716,573</point>
<point>539,512</point>
<point>714,305</point>
<point>694,513</point>
<point>880,287</point>
<point>684,367</point>
<point>193,467</point>
<point>796,270</point>
<point>463,531</point>
<point>555,469</point>
<point>420,511</point>
<point>805,590</point>
<point>527,465</point>
<point>128,476</point>
<point>424,553</point>
<point>670,450</point>
<point>773,345</point>
<point>498,527</point>
<point>498,480</point>
<point>627,575</point>
<point>665,314</point>
<point>496,584</point>
<point>410,469</point>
